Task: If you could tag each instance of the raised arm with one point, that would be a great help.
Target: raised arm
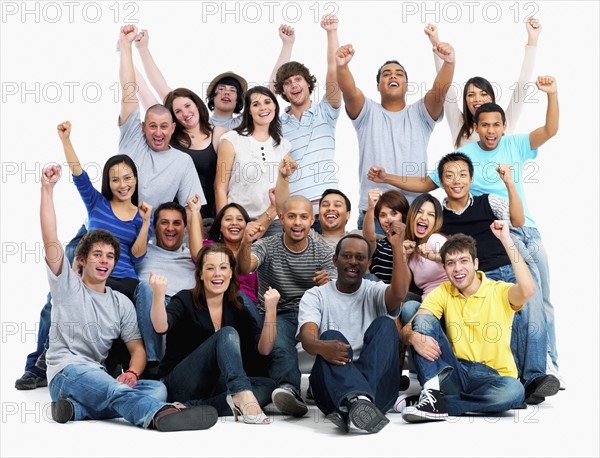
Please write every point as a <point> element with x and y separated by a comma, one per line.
<point>141,242</point>
<point>64,132</point>
<point>269,330</point>
<point>224,165</point>
<point>288,36</point>
<point>158,312</point>
<point>247,262</point>
<point>369,219</point>
<point>156,78</point>
<point>414,184</point>
<point>515,204</point>
<point>129,99</point>
<point>332,89</point>
<point>145,95</point>
<point>396,291</point>
<point>519,293</point>
<point>435,97</point>
<point>287,167</point>
<point>353,96</point>
<point>194,226</point>
<point>52,246</point>
<point>542,134</point>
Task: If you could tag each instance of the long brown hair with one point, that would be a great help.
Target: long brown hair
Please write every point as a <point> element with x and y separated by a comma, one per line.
<point>198,293</point>
<point>180,136</point>
<point>413,211</point>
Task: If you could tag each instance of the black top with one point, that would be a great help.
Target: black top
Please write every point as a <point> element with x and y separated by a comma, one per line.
<point>205,161</point>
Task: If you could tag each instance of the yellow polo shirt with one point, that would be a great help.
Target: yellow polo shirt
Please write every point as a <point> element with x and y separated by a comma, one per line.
<point>479,327</point>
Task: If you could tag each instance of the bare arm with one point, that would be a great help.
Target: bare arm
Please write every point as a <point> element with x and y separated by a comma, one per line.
<point>137,362</point>
<point>64,132</point>
<point>269,330</point>
<point>396,291</point>
<point>156,78</point>
<point>515,204</point>
<point>519,293</point>
<point>541,135</point>
<point>369,219</point>
<point>223,175</point>
<point>195,226</point>
<point>288,36</point>
<point>247,262</point>
<point>145,95</point>
<point>435,97</point>
<point>52,246</point>
<point>158,312</point>
<point>141,242</point>
<point>129,100</point>
<point>333,351</point>
<point>287,167</point>
<point>332,90</point>
<point>412,184</point>
<point>425,346</point>
<point>353,96</point>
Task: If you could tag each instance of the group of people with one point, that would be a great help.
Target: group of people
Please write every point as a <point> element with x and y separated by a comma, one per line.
<point>218,242</point>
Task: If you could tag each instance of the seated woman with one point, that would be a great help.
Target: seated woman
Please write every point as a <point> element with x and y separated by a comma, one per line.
<point>422,243</point>
<point>212,339</point>
<point>390,209</point>
<point>249,157</point>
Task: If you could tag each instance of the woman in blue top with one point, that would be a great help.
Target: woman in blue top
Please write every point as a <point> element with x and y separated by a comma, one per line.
<point>115,209</point>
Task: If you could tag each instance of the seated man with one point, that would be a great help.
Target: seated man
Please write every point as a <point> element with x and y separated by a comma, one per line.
<point>87,316</point>
<point>346,324</point>
<point>471,369</point>
<point>291,263</point>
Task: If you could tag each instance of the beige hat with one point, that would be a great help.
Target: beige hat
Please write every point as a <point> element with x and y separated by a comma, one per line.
<point>216,79</point>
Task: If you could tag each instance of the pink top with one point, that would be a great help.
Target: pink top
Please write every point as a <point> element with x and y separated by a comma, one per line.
<point>428,274</point>
<point>248,283</point>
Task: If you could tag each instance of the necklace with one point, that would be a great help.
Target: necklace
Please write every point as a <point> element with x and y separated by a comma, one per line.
<point>295,251</point>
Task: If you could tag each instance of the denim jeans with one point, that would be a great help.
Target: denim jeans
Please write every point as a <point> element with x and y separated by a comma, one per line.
<point>251,307</point>
<point>376,373</point>
<point>143,305</point>
<point>213,370</point>
<point>528,340</point>
<point>96,395</point>
<point>408,310</point>
<point>361,218</point>
<point>529,244</point>
<point>468,386</point>
<point>44,325</point>
<point>283,360</point>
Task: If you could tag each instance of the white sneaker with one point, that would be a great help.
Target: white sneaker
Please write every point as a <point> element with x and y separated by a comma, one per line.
<point>551,370</point>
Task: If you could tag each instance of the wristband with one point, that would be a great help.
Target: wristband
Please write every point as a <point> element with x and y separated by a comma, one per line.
<point>131,371</point>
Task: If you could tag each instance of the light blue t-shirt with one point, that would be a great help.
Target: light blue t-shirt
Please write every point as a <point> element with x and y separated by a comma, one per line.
<point>514,150</point>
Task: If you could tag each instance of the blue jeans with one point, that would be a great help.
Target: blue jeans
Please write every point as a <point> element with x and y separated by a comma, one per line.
<point>361,218</point>
<point>44,326</point>
<point>467,386</point>
<point>283,360</point>
<point>408,310</point>
<point>251,307</point>
<point>143,305</point>
<point>96,395</point>
<point>213,370</point>
<point>528,340</point>
<point>529,244</point>
<point>376,373</point>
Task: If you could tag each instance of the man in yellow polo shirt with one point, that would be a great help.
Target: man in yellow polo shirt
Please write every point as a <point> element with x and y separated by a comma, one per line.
<point>470,367</point>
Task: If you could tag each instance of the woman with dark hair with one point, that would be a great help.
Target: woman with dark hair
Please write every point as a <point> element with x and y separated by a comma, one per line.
<point>212,339</point>
<point>478,90</point>
<point>115,209</point>
<point>390,209</point>
<point>250,155</point>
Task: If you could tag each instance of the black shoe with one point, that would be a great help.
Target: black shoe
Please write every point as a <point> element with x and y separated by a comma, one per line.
<point>431,407</point>
<point>339,419</point>
<point>288,402</point>
<point>62,411</point>
<point>30,381</point>
<point>365,415</point>
<point>310,399</point>
<point>171,418</point>
<point>539,388</point>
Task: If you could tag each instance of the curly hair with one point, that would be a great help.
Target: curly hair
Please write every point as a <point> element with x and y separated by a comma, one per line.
<point>97,236</point>
<point>292,69</point>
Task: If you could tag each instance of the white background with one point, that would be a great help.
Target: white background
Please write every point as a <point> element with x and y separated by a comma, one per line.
<point>59,62</point>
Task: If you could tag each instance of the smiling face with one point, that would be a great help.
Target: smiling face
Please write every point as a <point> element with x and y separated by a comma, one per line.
<point>461,269</point>
<point>425,220</point>
<point>262,109</point>
<point>122,182</point>
<point>297,219</point>
<point>296,89</point>
<point>186,112</point>
<point>456,180</point>
<point>392,82</point>
<point>216,273</point>
<point>475,97</point>
<point>233,225</point>
<point>352,263</point>
<point>333,214</point>
<point>169,230</point>
<point>158,129</point>
<point>387,217</point>
<point>225,99</point>
<point>98,264</point>
<point>490,129</point>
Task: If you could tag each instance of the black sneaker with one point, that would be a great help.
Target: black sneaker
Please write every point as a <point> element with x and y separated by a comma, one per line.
<point>539,388</point>
<point>288,402</point>
<point>170,418</point>
<point>339,419</point>
<point>365,415</point>
<point>405,400</point>
<point>62,411</point>
<point>431,407</point>
<point>310,399</point>
<point>30,381</point>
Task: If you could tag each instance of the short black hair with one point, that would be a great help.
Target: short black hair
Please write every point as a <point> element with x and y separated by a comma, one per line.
<point>378,77</point>
<point>336,191</point>
<point>170,206</point>
<point>490,108</point>
<point>338,247</point>
<point>454,157</point>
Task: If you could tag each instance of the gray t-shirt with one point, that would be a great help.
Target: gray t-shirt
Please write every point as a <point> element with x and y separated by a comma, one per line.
<point>176,265</point>
<point>227,123</point>
<point>395,140</point>
<point>290,273</point>
<point>349,313</point>
<point>162,175</point>
<point>85,322</point>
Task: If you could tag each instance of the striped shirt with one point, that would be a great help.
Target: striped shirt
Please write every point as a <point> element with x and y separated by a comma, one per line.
<point>290,273</point>
<point>101,216</point>
<point>382,261</point>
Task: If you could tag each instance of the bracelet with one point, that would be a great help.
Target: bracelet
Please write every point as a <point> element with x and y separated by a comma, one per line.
<point>131,371</point>
<point>269,216</point>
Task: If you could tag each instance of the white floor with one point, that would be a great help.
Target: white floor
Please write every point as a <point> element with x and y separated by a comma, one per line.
<point>565,425</point>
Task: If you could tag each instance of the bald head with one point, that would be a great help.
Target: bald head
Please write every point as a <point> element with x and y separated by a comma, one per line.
<point>297,200</point>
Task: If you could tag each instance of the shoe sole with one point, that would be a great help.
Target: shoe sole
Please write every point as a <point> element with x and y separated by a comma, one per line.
<point>548,387</point>
<point>287,403</point>
<point>190,419</point>
<point>62,411</point>
<point>366,416</point>
<point>412,415</point>
<point>31,386</point>
<point>338,421</point>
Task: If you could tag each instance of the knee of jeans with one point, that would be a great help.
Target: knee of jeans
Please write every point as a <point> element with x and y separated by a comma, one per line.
<point>332,334</point>
<point>425,324</point>
<point>513,389</point>
<point>155,389</point>
<point>408,310</point>
<point>383,326</point>
<point>228,334</point>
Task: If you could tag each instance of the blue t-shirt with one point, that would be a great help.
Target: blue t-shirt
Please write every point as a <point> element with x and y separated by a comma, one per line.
<point>513,150</point>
